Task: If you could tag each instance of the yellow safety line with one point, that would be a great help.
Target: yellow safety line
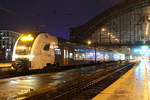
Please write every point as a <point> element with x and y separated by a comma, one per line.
<point>147,29</point>
<point>146,85</point>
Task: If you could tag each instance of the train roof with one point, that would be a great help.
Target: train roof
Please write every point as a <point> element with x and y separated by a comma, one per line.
<point>62,41</point>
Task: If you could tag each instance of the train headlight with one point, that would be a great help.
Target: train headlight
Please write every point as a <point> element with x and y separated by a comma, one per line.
<point>12,68</point>
<point>31,56</point>
<point>23,56</point>
<point>22,47</point>
<point>15,56</point>
<point>27,38</point>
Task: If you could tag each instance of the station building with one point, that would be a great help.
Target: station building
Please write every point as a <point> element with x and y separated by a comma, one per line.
<point>7,41</point>
<point>125,24</point>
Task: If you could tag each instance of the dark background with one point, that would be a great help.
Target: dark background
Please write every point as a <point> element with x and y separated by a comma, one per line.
<point>55,16</point>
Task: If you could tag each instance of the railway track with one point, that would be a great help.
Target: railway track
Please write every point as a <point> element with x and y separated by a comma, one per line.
<point>10,73</point>
<point>85,87</point>
<point>86,91</point>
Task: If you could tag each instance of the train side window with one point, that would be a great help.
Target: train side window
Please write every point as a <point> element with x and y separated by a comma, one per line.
<point>65,53</point>
<point>70,55</point>
<point>57,51</point>
<point>46,47</point>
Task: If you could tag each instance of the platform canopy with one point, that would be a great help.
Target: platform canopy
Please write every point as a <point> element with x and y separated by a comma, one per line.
<point>127,23</point>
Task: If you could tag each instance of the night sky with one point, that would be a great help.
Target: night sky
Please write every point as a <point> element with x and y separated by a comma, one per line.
<point>55,15</point>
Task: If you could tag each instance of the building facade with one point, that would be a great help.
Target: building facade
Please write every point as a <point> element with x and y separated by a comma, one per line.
<point>7,42</point>
<point>126,24</point>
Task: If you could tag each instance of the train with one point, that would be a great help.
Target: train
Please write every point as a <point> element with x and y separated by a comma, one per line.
<point>37,50</point>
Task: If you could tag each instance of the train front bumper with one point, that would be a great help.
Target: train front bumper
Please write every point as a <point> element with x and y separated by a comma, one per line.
<point>21,63</point>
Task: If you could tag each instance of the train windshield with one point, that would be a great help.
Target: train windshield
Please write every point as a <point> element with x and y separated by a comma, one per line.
<point>24,45</point>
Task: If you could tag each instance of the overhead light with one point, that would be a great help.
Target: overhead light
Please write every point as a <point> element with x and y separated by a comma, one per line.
<point>148,18</point>
<point>103,29</point>
<point>116,39</point>
<point>89,42</point>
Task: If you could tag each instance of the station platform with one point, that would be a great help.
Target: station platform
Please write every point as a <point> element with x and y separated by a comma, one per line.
<point>3,65</point>
<point>134,85</point>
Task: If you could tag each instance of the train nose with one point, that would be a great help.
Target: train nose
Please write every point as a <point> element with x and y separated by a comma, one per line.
<point>21,66</point>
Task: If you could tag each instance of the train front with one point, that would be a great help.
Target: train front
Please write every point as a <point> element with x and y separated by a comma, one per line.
<point>22,56</point>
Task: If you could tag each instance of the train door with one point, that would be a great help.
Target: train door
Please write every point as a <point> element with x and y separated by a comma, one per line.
<point>66,60</point>
<point>46,54</point>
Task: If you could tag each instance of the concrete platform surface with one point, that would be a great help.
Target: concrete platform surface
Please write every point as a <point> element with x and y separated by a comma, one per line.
<point>134,85</point>
<point>5,65</point>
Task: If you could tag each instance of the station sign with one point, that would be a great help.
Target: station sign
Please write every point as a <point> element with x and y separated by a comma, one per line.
<point>141,50</point>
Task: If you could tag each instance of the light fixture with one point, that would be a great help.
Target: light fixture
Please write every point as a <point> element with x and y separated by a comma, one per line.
<point>103,29</point>
<point>89,42</point>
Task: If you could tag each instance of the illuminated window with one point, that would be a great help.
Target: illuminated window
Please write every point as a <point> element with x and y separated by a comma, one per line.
<point>70,55</point>
<point>65,53</point>
<point>57,51</point>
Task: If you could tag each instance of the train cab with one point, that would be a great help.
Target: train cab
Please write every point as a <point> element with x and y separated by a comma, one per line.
<point>34,51</point>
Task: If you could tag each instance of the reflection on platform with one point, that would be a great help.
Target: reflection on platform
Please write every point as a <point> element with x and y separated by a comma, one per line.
<point>134,85</point>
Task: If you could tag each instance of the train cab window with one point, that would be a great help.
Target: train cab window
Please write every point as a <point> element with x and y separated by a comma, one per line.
<point>46,47</point>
